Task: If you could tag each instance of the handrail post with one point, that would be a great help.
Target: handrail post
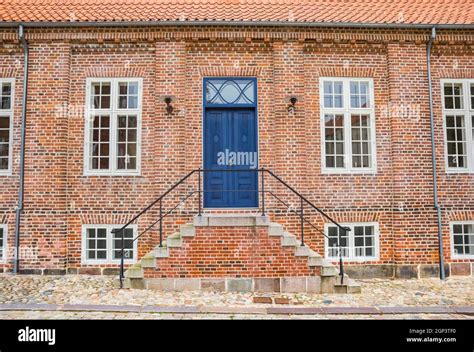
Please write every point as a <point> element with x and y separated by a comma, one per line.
<point>302,222</point>
<point>341,265</point>
<point>122,261</point>
<point>199,192</point>
<point>263,193</point>
<point>161,223</point>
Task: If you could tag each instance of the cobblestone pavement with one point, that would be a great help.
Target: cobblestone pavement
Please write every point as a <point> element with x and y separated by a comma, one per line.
<point>101,290</point>
<point>159,316</point>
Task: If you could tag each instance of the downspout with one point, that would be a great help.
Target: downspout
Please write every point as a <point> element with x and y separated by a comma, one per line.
<point>433,158</point>
<point>21,188</point>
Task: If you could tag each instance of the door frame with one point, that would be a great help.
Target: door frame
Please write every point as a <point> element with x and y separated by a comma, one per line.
<point>205,105</point>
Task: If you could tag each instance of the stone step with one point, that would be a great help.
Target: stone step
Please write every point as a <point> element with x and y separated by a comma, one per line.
<point>328,269</point>
<point>174,241</point>
<point>231,220</point>
<point>348,286</point>
<point>302,251</point>
<point>275,229</point>
<point>188,230</point>
<point>315,260</point>
<point>288,240</point>
<point>148,261</point>
<point>161,252</point>
<point>134,272</point>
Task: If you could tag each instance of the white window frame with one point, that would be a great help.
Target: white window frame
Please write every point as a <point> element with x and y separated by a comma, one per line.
<point>346,110</point>
<point>351,246</point>
<point>9,112</point>
<point>114,111</point>
<point>109,245</point>
<point>3,259</point>
<point>451,235</point>
<point>467,111</point>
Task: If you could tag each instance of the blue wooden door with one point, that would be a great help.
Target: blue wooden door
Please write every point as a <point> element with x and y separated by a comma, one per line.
<point>230,143</point>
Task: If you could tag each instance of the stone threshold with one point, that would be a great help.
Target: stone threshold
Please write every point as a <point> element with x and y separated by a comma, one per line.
<point>289,310</point>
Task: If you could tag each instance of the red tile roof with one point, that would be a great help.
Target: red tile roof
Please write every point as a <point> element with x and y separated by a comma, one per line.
<point>456,12</point>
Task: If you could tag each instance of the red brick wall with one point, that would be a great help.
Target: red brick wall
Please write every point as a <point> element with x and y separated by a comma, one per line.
<point>59,199</point>
<point>231,252</point>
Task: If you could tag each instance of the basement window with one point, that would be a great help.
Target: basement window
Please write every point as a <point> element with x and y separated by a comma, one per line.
<point>347,125</point>
<point>113,126</point>
<point>458,114</point>
<point>6,125</point>
<point>359,244</point>
<point>462,240</point>
<point>3,243</point>
<point>101,246</point>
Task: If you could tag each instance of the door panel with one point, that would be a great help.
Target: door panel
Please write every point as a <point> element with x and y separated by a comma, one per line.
<point>230,131</point>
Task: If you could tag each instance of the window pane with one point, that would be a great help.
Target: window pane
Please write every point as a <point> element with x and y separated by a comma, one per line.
<point>4,142</point>
<point>127,142</point>
<point>6,103</point>
<point>453,96</point>
<point>96,242</point>
<point>100,142</point>
<point>463,239</point>
<point>359,94</point>
<point>360,141</point>
<point>456,141</point>
<point>100,95</point>
<point>334,140</point>
<point>333,97</point>
<point>5,96</point>
<point>364,241</point>
<point>333,233</point>
<point>128,244</point>
<point>472,97</point>
<point>2,234</point>
<point>230,91</point>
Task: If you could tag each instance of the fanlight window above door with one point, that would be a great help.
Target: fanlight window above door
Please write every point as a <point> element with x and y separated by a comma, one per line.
<point>223,91</point>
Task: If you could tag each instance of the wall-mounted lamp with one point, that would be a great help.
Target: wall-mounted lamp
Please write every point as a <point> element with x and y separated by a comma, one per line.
<point>168,100</point>
<point>291,104</point>
<point>169,107</point>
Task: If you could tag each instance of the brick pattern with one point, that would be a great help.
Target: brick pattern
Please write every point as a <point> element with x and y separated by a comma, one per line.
<point>231,252</point>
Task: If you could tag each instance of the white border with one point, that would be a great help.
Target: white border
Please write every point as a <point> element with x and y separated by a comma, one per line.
<point>351,247</point>
<point>9,112</point>
<point>451,238</point>
<point>113,112</point>
<point>109,247</point>
<point>468,111</point>
<point>3,260</point>
<point>346,110</point>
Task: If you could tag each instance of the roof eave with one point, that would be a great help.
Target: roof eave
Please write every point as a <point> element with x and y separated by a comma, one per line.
<point>237,23</point>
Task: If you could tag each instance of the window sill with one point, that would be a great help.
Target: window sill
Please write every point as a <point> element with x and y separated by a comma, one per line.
<point>369,172</point>
<point>111,174</point>
<point>107,262</point>
<point>460,171</point>
<point>463,257</point>
<point>354,260</point>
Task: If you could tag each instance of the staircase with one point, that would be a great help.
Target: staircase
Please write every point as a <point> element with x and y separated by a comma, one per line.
<point>236,253</point>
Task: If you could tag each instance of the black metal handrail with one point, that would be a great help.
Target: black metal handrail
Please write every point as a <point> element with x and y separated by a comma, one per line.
<point>302,200</point>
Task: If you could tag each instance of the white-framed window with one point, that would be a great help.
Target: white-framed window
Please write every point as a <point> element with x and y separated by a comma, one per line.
<point>359,244</point>
<point>101,246</point>
<point>347,125</point>
<point>113,126</point>
<point>3,243</point>
<point>462,240</point>
<point>458,115</point>
<point>7,95</point>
